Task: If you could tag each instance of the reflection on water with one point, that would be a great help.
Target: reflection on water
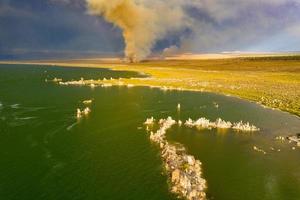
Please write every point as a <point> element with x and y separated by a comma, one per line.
<point>46,153</point>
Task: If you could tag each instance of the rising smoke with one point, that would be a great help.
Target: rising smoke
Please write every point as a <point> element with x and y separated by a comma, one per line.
<point>213,24</point>
<point>143,22</point>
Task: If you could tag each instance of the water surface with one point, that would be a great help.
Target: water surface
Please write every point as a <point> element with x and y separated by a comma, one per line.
<point>46,153</point>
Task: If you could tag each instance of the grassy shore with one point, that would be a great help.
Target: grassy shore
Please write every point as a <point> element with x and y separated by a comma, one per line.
<point>271,81</point>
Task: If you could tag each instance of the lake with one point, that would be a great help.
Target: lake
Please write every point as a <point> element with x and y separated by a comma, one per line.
<point>47,153</point>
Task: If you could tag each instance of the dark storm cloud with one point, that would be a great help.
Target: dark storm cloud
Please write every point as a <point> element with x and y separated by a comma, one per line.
<point>63,26</point>
<point>54,26</point>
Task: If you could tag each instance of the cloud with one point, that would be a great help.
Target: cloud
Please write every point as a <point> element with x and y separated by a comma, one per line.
<point>223,25</point>
<point>8,11</point>
<point>172,50</point>
<point>54,26</point>
<point>294,30</point>
<point>75,4</point>
<point>213,25</point>
<point>173,25</point>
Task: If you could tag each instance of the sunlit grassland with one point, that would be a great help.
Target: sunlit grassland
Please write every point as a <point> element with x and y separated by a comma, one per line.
<point>271,81</point>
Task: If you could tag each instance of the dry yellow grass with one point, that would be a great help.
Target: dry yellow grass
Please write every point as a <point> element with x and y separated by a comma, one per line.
<point>271,81</point>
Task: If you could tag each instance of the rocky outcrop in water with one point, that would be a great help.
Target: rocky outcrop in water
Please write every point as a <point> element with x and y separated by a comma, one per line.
<point>295,139</point>
<point>86,102</point>
<point>221,124</point>
<point>245,127</point>
<point>55,80</point>
<point>255,148</point>
<point>149,121</point>
<point>184,171</point>
<point>82,113</point>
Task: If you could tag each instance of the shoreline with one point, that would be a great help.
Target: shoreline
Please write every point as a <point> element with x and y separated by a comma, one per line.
<point>277,95</point>
<point>116,83</point>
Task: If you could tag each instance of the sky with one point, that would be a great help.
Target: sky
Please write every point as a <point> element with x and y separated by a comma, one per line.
<point>35,29</point>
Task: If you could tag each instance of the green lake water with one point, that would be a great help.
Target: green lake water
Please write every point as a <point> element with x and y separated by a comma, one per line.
<point>46,153</point>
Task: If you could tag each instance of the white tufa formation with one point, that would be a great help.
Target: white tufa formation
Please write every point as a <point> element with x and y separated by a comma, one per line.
<point>184,170</point>
<point>178,107</point>
<point>82,113</point>
<point>295,139</point>
<point>149,121</point>
<point>244,127</point>
<point>221,124</point>
<point>255,148</point>
<point>87,102</point>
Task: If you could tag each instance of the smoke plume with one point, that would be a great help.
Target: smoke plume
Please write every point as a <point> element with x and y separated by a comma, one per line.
<point>143,22</point>
<point>213,25</point>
